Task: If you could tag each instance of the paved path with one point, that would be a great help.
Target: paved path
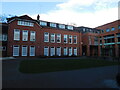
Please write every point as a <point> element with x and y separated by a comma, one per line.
<point>102,77</point>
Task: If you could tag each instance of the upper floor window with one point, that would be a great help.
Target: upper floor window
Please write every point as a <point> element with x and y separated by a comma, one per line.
<point>52,25</point>
<point>70,39</point>
<point>3,37</point>
<point>32,35</point>
<point>25,35</point>
<point>119,27</point>
<point>25,23</point>
<point>65,39</point>
<point>107,30</point>
<point>112,29</point>
<point>70,27</point>
<point>58,38</point>
<point>52,38</point>
<point>46,37</point>
<point>102,31</point>
<point>16,34</point>
<point>61,26</point>
<point>42,23</point>
<point>75,39</point>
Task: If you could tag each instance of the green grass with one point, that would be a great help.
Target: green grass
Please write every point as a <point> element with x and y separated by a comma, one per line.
<point>48,65</point>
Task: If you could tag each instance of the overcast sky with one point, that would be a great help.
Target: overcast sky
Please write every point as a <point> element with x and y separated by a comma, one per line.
<point>89,13</point>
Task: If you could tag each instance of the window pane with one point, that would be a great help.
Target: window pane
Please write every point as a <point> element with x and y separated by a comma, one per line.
<point>58,38</point>
<point>46,51</point>
<point>61,26</point>
<point>16,34</point>
<point>15,50</point>
<point>65,39</point>
<point>46,37</point>
<point>32,50</point>
<point>32,36</point>
<point>24,50</point>
<point>75,39</point>
<point>52,38</point>
<point>25,35</point>
<point>52,51</point>
<point>58,51</point>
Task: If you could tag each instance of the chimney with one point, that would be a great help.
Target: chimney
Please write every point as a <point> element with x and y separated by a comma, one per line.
<point>38,17</point>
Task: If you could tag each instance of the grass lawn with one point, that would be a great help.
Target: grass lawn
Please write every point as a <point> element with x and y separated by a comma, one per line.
<point>48,65</point>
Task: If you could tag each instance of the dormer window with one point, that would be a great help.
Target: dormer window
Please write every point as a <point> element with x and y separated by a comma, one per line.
<point>107,30</point>
<point>42,23</point>
<point>53,25</point>
<point>61,26</point>
<point>70,27</point>
<point>25,23</point>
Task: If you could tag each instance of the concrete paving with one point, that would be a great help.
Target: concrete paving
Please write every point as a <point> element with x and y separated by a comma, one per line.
<point>102,77</point>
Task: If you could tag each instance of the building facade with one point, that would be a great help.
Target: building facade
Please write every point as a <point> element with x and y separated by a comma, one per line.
<point>27,37</point>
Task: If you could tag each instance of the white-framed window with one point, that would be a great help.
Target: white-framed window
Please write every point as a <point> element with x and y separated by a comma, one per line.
<point>70,27</point>
<point>65,38</point>
<point>53,25</point>
<point>75,39</point>
<point>61,26</point>
<point>42,23</point>
<point>24,50</point>
<point>70,39</point>
<point>52,51</point>
<point>46,37</point>
<point>16,34</point>
<point>52,40</point>
<point>4,37</point>
<point>58,40</point>
<point>25,35</point>
<point>58,51</point>
<point>65,51</point>
<point>25,23</point>
<point>32,36</point>
<point>15,50</point>
<point>75,51</point>
<point>32,50</point>
<point>46,51</point>
<point>70,51</point>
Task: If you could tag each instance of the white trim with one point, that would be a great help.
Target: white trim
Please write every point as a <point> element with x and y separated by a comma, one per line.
<point>66,36</point>
<point>75,50</point>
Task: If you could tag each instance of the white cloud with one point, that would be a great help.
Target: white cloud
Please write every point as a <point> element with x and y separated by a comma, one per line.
<point>90,13</point>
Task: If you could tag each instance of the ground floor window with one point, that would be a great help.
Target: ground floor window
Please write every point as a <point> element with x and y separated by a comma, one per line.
<point>58,51</point>
<point>65,51</point>
<point>15,50</point>
<point>46,51</point>
<point>32,50</point>
<point>52,51</point>
<point>70,51</point>
<point>24,50</point>
<point>75,51</point>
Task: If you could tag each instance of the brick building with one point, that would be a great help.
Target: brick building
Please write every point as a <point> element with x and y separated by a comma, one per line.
<point>29,37</point>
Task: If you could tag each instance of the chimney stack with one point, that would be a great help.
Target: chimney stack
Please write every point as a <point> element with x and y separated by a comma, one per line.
<point>38,17</point>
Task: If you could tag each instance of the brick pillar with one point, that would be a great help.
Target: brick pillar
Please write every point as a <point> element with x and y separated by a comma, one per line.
<point>116,46</point>
<point>88,50</point>
<point>99,50</point>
